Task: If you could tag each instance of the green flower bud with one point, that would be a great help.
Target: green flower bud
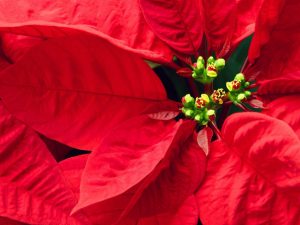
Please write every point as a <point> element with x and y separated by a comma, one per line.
<point>200,62</point>
<point>220,64</point>
<point>188,112</point>
<point>195,75</point>
<point>239,77</point>
<point>229,86</point>
<point>247,93</point>
<point>188,101</point>
<point>212,73</point>
<point>199,71</point>
<point>241,97</point>
<point>198,117</point>
<point>210,60</point>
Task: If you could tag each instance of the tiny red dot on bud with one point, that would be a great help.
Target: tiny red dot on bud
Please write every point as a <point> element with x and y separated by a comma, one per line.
<point>212,117</point>
<point>236,85</point>
<point>211,68</point>
<point>183,100</point>
<point>195,65</point>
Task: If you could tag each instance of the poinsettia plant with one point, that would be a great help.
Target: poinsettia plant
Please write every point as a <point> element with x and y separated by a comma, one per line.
<point>90,135</point>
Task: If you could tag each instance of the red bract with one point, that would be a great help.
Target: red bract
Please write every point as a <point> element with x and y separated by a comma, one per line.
<point>227,22</point>
<point>32,188</point>
<point>139,174</point>
<point>66,79</point>
<point>76,84</point>
<point>176,23</point>
<point>257,161</point>
<point>275,46</point>
<point>172,25</point>
<point>253,174</point>
<point>122,21</point>
<point>286,109</point>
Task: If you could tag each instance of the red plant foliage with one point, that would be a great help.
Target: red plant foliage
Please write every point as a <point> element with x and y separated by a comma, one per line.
<point>73,72</point>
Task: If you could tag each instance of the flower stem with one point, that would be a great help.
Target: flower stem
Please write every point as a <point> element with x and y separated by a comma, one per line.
<point>246,62</point>
<point>241,106</point>
<point>216,130</point>
<point>208,88</point>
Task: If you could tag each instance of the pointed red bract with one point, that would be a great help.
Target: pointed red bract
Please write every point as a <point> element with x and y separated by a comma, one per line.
<point>204,137</point>
<point>185,72</point>
<point>165,115</point>
<point>143,168</point>
<point>177,23</point>
<point>32,188</point>
<point>121,21</point>
<point>228,22</point>
<point>275,48</point>
<point>253,175</point>
<point>79,87</point>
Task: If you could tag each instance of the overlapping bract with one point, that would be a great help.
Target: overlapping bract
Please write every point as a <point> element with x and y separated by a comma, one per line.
<point>227,22</point>
<point>32,188</point>
<point>257,162</point>
<point>137,174</point>
<point>253,175</point>
<point>76,83</point>
<point>82,89</point>
<point>120,22</point>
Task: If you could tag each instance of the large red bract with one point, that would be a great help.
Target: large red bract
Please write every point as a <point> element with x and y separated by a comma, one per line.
<point>32,187</point>
<point>76,84</point>
<point>71,70</point>
<point>253,175</point>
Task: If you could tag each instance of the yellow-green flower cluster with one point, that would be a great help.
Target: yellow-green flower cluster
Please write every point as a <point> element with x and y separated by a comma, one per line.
<point>206,73</point>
